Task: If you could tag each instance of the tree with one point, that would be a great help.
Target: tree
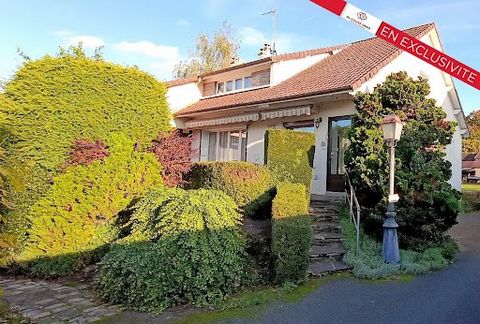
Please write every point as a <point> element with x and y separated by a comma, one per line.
<point>472,144</point>
<point>211,53</point>
<point>428,204</point>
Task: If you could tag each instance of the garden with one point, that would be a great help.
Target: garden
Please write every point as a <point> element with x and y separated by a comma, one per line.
<point>97,185</point>
<point>100,187</point>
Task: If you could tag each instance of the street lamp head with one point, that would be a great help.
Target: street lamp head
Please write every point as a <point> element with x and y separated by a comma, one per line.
<point>392,128</point>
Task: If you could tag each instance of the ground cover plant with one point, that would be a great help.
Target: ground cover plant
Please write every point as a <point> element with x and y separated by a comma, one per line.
<point>190,240</point>
<point>428,204</point>
<point>367,261</point>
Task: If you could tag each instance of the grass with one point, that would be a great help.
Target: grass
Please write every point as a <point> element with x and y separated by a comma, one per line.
<point>368,263</point>
<point>252,303</point>
<point>471,187</point>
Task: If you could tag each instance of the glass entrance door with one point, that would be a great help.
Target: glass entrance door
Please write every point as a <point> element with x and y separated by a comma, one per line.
<point>338,143</point>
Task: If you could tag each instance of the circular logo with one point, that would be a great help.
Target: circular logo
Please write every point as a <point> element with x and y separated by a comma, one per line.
<point>362,16</point>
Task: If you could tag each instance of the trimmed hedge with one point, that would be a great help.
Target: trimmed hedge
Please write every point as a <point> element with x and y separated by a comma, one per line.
<point>55,100</point>
<point>250,185</point>
<point>181,247</point>
<point>289,155</point>
<point>291,233</point>
<point>76,216</point>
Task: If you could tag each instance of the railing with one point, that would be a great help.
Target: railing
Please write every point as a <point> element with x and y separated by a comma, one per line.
<point>352,201</point>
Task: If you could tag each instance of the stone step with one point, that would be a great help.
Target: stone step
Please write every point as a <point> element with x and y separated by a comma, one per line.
<point>328,237</point>
<point>326,226</point>
<point>320,267</point>
<point>330,250</point>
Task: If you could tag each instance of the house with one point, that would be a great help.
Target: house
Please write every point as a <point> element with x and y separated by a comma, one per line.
<point>471,167</point>
<point>228,111</point>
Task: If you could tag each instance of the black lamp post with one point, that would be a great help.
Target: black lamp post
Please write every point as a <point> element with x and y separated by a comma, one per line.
<point>392,131</point>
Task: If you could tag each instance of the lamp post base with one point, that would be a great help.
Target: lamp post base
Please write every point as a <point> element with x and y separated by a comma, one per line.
<point>390,250</point>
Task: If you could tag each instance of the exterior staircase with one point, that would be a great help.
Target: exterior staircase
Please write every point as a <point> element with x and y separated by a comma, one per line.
<point>327,250</point>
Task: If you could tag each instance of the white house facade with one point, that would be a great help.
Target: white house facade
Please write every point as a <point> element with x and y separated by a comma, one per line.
<point>229,111</point>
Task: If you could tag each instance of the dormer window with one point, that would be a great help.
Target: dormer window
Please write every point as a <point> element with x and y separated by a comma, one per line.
<point>234,85</point>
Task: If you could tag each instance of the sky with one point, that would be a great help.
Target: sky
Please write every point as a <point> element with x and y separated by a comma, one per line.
<point>157,34</point>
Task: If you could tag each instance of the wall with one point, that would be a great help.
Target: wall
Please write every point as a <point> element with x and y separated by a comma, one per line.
<point>182,96</point>
<point>440,84</point>
<point>256,139</point>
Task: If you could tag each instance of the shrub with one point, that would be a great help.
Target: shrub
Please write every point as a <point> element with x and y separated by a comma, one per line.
<point>85,152</point>
<point>428,204</point>
<point>291,233</point>
<point>189,240</point>
<point>289,155</point>
<point>250,185</point>
<point>367,262</point>
<point>53,101</point>
<point>471,200</point>
<point>174,152</point>
<point>77,214</point>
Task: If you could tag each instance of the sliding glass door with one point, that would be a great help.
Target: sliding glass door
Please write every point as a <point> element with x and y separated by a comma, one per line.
<point>227,146</point>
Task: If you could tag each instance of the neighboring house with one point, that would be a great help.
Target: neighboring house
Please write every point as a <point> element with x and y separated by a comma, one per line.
<point>228,111</point>
<point>471,167</point>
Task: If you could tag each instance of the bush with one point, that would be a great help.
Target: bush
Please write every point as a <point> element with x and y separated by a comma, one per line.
<point>428,204</point>
<point>76,216</point>
<point>289,155</point>
<point>291,233</point>
<point>250,185</point>
<point>181,247</point>
<point>367,262</point>
<point>53,101</point>
<point>174,152</point>
<point>471,201</point>
<point>85,152</point>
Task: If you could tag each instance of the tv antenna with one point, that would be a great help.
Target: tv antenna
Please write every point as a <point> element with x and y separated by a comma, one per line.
<point>274,14</point>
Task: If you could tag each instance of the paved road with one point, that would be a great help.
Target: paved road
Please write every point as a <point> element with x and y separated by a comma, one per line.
<point>451,295</point>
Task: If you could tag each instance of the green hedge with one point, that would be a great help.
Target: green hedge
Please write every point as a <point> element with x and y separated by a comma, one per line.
<point>250,185</point>
<point>291,233</point>
<point>181,247</point>
<point>77,215</point>
<point>53,101</point>
<point>289,155</point>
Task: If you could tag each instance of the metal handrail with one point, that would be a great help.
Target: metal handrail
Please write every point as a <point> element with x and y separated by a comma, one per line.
<point>352,201</point>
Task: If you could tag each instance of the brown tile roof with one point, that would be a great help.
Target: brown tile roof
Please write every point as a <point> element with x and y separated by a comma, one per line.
<point>345,70</point>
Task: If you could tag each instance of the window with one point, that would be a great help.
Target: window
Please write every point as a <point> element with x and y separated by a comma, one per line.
<point>229,86</point>
<point>227,146</point>
<point>301,126</point>
<point>234,85</point>
<point>238,84</point>
<point>248,82</point>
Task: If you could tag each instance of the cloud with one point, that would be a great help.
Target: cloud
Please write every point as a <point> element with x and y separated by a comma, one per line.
<point>182,23</point>
<point>89,42</point>
<point>164,57</point>
<point>251,37</point>
<point>71,38</point>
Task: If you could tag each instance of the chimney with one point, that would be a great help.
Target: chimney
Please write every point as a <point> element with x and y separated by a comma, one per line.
<point>265,51</point>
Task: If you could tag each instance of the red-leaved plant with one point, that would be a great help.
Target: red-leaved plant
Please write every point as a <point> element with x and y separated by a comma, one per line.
<point>85,152</point>
<point>174,151</point>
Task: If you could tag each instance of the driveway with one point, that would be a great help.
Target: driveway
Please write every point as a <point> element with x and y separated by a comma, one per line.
<point>451,295</point>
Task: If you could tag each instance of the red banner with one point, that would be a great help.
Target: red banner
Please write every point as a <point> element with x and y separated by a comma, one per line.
<point>403,41</point>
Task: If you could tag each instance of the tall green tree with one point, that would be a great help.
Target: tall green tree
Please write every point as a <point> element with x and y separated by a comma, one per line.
<point>472,144</point>
<point>428,204</point>
<point>211,53</point>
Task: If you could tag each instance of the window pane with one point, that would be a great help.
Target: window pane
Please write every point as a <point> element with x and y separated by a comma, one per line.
<point>248,82</point>
<point>229,86</point>
<point>223,147</point>
<point>212,147</point>
<point>238,84</point>
<point>243,148</point>
<point>220,87</point>
<point>235,146</point>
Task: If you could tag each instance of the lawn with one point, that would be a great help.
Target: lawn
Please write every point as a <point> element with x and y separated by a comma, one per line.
<point>471,187</point>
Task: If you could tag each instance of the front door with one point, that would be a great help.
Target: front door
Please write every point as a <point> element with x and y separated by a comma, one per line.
<point>338,143</point>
